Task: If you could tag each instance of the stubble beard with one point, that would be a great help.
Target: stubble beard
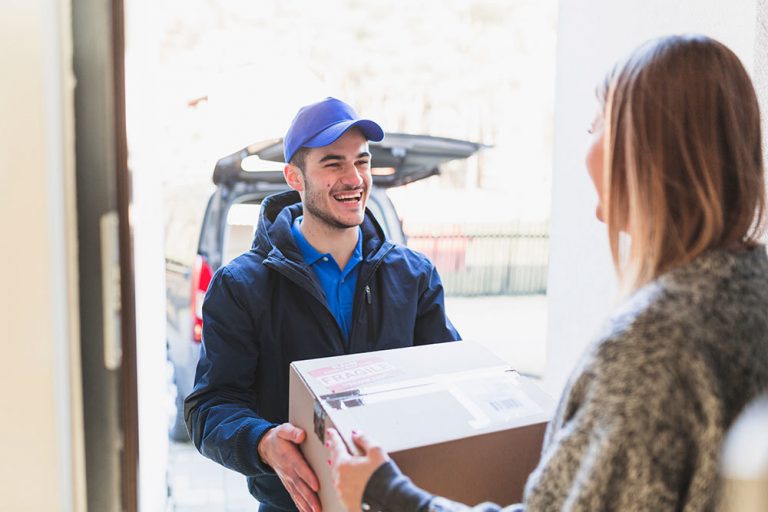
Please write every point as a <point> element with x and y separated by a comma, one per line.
<point>313,199</point>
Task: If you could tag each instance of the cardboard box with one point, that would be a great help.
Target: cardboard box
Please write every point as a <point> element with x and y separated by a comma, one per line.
<point>457,419</point>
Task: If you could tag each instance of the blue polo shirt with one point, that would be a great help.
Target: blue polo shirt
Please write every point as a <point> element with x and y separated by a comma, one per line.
<point>339,285</point>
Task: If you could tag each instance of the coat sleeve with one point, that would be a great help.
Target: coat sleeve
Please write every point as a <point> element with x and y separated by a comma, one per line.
<point>220,412</point>
<point>432,323</point>
<point>388,490</point>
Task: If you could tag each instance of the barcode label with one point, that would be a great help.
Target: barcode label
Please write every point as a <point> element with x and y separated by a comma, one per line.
<point>505,404</point>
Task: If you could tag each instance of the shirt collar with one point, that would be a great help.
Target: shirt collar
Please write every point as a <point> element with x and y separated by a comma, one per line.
<point>312,255</point>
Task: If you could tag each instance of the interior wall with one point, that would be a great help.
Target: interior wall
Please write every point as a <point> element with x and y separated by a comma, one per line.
<point>41,433</point>
<point>591,37</point>
<point>761,69</point>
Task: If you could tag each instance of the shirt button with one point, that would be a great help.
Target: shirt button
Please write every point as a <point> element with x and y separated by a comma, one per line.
<point>325,258</point>
<point>366,506</point>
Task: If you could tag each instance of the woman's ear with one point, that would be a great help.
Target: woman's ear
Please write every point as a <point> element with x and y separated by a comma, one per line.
<point>293,177</point>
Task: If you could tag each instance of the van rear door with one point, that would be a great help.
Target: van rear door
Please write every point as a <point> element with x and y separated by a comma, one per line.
<point>397,160</point>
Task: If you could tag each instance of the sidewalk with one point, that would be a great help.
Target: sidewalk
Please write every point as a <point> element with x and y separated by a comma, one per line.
<point>196,484</point>
<point>513,327</point>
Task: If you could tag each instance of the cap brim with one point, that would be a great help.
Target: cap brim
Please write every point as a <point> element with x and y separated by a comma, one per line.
<point>370,130</point>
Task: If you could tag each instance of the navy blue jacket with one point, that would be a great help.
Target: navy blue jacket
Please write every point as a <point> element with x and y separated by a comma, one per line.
<point>266,309</point>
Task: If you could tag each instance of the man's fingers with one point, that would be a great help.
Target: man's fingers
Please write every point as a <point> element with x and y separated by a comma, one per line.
<point>296,496</point>
<point>299,469</point>
<point>301,505</point>
<point>293,470</point>
<point>303,495</point>
<point>290,433</point>
<point>305,473</point>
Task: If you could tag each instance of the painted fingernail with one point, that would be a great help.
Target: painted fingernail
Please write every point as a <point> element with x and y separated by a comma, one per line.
<point>329,462</point>
<point>328,444</point>
<point>354,432</point>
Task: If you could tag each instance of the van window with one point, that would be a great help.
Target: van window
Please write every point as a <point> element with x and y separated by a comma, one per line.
<point>241,224</point>
<point>184,212</point>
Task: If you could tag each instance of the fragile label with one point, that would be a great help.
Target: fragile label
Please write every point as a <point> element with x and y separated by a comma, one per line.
<point>353,374</point>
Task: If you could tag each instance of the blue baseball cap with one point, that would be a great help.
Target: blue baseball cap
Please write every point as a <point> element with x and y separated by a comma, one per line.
<point>321,123</point>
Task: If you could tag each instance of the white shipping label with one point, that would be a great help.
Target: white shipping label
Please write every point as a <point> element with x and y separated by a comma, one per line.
<point>494,400</point>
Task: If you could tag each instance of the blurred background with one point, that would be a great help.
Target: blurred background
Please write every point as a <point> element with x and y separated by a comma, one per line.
<point>115,113</point>
<point>229,73</point>
<point>226,74</point>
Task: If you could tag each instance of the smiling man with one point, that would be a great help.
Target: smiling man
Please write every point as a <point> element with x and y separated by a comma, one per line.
<point>320,280</point>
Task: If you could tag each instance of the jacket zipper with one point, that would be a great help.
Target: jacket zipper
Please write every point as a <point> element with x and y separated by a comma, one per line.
<point>368,298</point>
<point>345,348</point>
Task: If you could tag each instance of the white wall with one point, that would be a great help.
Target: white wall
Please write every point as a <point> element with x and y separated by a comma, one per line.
<point>142,43</point>
<point>591,37</point>
<point>761,69</point>
<point>42,462</point>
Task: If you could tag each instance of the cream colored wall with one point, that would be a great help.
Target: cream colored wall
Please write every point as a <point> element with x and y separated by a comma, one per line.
<point>761,68</point>
<point>40,433</point>
<point>592,35</point>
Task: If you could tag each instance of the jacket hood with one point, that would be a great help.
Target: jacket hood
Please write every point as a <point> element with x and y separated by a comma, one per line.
<point>278,211</point>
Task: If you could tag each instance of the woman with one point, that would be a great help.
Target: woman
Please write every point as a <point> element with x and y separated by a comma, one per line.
<point>677,164</point>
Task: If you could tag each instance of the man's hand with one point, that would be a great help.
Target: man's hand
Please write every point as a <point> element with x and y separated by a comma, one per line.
<point>351,473</point>
<point>279,448</point>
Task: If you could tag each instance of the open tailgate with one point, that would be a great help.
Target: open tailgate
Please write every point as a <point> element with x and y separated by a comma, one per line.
<point>398,159</point>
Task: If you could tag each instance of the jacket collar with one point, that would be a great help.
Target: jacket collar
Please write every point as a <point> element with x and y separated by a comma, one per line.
<point>273,233</point>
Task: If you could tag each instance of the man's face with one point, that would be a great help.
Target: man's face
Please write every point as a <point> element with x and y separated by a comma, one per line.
<point>337,181</point>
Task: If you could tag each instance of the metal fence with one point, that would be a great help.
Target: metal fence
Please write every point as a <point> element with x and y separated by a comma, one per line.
<point>487,259</point>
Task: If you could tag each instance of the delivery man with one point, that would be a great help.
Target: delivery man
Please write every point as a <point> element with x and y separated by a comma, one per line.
<point>320,280</point>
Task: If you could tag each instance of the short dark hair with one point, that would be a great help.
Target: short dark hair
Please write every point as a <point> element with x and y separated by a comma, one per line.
<point>299,158</point>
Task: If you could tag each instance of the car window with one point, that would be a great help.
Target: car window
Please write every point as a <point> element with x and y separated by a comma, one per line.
<point>242,219</point>
<point>184,212</point>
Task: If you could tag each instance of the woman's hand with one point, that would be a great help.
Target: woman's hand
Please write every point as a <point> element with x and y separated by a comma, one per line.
<point>351,473</point>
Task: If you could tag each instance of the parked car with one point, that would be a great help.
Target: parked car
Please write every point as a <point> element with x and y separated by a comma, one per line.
<point>202,235</point>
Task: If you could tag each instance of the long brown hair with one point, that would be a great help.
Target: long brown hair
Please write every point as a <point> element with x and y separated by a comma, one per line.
<point>683,161</point>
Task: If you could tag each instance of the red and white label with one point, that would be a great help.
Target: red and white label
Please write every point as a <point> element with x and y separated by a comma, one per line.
<point>346,376</point>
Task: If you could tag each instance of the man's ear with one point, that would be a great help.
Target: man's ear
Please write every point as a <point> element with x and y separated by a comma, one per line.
<point>293,177</point>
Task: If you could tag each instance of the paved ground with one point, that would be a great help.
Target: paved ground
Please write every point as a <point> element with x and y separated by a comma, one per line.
<point>513,327</point>
<point>197,484</point>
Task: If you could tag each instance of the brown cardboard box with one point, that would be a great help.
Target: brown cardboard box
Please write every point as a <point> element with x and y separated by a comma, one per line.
<point>458,420</point>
